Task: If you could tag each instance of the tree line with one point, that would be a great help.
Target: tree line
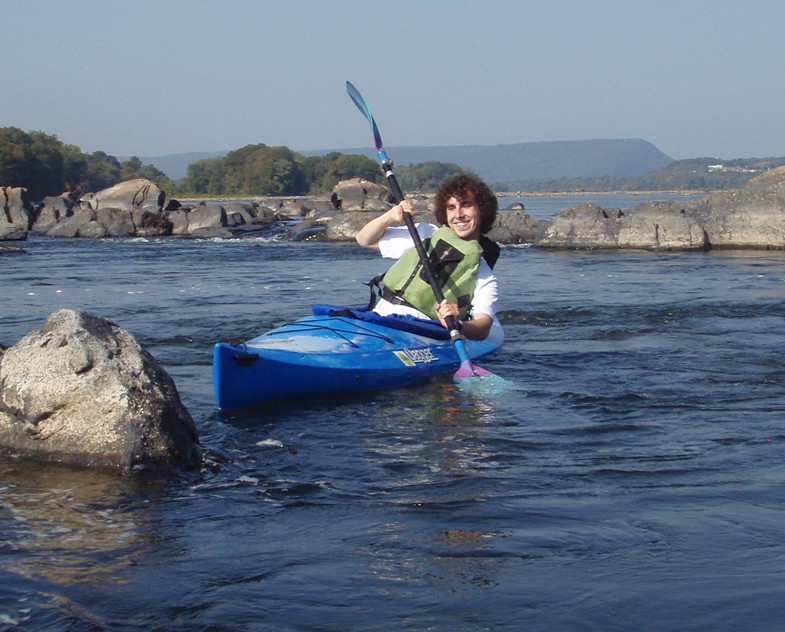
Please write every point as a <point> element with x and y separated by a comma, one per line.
<point>46,166</point>
<point>262,170</point>
<point>694,174</point>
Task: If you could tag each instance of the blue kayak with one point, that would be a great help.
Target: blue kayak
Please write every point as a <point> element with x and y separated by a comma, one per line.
<point>337,350</point>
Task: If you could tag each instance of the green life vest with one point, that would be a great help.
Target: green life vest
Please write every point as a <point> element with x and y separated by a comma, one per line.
<point>455,264</point>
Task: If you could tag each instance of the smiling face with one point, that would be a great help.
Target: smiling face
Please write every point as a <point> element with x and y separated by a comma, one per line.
<point>461,192</point>
<point>463,216</point>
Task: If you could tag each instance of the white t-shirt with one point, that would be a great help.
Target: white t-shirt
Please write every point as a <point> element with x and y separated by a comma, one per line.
<point>396,240</point>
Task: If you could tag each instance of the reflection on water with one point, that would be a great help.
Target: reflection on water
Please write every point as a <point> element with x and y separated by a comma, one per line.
<point>73,526</point>
<point>627,481</point>
<point>439,463</point>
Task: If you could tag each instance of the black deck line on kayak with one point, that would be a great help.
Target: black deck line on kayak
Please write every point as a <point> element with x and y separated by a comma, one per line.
<point>294,327</point>
<point>429,328</point>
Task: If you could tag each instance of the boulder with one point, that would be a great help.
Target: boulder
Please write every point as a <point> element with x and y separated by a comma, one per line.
<point>321,208</point>
<point>249,215</point>
<point>179,221</point>
<point>361,195</point>
<point>82,391</point>
<point>53,209</point>
<point>131,194</point>
<point>150,223</point>
<point>239,213</point>
<point>516,228</point>
<point>89,223</point>
<point>16,214</point>
<point>83,223</point>
<point>661,225</point>
<point>582,226</point>
<point>292,209</point>
<point>204,216</point>
<point>115,222</point>
<point>752,217</point>
<point>61,217</point>
<point>307,230</point>
<point>344,226</point>
<point>647,226</point>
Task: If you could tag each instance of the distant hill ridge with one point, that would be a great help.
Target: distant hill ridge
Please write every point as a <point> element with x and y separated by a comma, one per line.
<point>494,163</point>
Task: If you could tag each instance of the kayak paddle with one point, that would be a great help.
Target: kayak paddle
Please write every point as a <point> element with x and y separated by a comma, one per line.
<point>467,368</point>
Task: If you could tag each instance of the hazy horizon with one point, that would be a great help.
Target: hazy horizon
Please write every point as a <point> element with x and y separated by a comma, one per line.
<point>696,79</point>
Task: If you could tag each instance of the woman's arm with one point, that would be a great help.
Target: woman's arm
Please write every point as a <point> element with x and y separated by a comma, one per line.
<point>373,231</point>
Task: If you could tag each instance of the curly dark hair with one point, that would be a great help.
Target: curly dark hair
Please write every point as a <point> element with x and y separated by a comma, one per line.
<point>459,187</point>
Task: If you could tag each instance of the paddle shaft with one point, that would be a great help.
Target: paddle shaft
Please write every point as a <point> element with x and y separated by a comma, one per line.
<point>418,245</point>
<point>386,164</point>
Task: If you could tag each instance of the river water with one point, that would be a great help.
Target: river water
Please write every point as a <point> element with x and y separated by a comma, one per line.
<point>631,480</point>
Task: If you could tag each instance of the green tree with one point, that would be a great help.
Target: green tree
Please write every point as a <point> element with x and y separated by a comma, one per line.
<point>31,160</point>
<point>45,166</point>
<point>75,169</point>
<point>103,171</point>
<point>263,170</point>
<point>324,172</point>
<point>427,176</point>
<point>204,177</point>
<point>133,168</point>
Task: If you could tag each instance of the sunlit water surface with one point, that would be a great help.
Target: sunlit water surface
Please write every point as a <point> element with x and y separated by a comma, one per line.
<point>632,478</point>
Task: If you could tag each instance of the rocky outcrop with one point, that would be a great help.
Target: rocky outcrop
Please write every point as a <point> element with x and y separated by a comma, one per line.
<point>132,209</point>
<point>361,195</point>
<point>53,210</point>
<point>650,226</point>
<point>16,214</point>
<point>128,195</point>
<point>110,222</point>
<point>751,217</point>
<point>517,228</point>
<point>129,209</point>
<point>82,391</point>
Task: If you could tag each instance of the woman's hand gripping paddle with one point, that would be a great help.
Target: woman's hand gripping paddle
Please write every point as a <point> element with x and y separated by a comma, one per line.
<point>467,368</point>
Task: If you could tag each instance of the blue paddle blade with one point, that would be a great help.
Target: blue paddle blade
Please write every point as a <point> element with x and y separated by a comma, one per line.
<point>355,95</point>
<point>488,385</point>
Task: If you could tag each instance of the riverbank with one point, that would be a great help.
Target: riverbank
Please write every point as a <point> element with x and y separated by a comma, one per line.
<point>749,218</point>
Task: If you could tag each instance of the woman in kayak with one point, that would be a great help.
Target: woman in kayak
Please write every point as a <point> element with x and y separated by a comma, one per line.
<point>461,255</point>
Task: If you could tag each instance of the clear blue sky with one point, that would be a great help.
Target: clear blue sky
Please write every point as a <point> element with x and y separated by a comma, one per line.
<point>695,77</point>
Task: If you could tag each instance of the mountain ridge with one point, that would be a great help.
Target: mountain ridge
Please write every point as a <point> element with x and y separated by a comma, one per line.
<point>494,163</point>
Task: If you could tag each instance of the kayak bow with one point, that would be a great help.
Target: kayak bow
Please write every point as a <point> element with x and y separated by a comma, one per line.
<point>337,351</point>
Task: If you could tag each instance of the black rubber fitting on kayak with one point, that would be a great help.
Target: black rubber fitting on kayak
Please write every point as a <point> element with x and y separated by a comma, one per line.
<point>245,358</point>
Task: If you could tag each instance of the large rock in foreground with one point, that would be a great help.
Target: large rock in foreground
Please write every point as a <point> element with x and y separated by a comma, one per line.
<point>82,391</point>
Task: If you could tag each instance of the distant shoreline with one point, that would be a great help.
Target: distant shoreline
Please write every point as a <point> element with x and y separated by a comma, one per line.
<point>568,193</point>
<point>501,194</point>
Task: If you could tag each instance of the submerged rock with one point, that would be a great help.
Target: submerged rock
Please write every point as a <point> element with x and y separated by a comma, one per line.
<point>82,391</point>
